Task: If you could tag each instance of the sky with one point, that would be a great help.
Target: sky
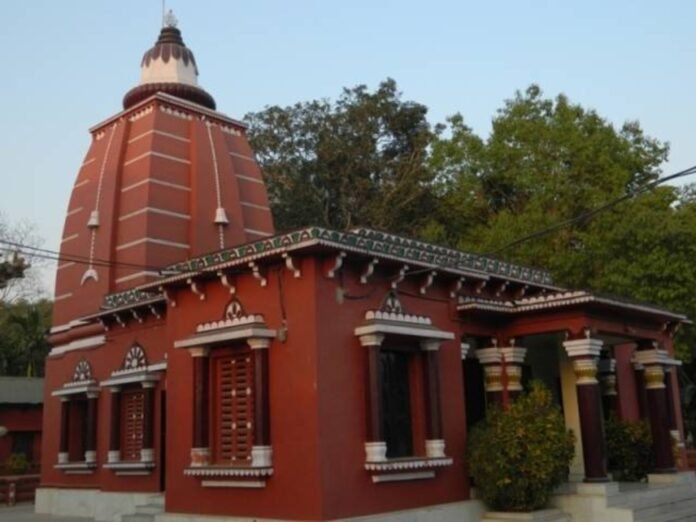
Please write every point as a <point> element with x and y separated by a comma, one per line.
<point>67,65</point>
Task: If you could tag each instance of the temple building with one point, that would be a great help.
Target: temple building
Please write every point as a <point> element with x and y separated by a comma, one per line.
<point>202,364</point>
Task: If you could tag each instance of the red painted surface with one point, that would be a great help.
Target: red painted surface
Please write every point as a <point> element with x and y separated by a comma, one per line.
<point>20,418</point>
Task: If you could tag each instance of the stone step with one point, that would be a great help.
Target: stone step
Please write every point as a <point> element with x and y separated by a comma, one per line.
<point>647,513</point>
<point>137,518</point>
<point>674,513</point>
<point>149,509</point>
<point>649,495</point>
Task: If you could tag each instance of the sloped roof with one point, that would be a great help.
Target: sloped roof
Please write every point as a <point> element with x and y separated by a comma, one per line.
<point>21,390</point>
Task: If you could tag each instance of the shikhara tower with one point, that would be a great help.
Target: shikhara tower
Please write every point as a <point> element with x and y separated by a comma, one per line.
<point>166,179</point>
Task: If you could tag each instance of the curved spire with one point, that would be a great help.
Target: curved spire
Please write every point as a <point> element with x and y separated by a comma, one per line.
<point>170,67</point>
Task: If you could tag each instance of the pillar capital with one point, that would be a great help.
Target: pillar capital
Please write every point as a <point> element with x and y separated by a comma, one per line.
<point>605,366</point>
<point>586,347</point>
<point>259,343</point>
<point>585,371</point>
<point>513,354</point>
<point>464,347</point>
<point>488,356</point>
<point>199,351</point>
<point>374,339</point>
<point>430,345</point>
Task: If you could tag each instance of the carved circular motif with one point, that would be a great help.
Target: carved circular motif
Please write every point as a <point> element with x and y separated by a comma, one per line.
<point>83,371</point>
<point>135,358</point>
<point>234,310</point>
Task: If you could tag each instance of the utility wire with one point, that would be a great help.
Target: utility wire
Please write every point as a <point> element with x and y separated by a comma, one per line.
<point>593,212</point>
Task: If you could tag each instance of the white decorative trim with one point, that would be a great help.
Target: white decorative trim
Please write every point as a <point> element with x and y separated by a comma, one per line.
<point>259,343</point>
<point>261,457</point>
<point>77,467</point>
<point>80,183</point>
<point>399,477</point>
<point>62,296</point>
<point>400,329</point>
<point>490,355</point>
<point>242,156</point>
<point>583,347</point>
<point>373,339</point>
<point>69,238</point>
<point>157,155</point>
<point>159,133</point>
<point>154,210</point>
<point>408,463</point>
<point>141,113</point>
<point>137,275</point>
<point>464,349</point>
<point>233,483</point>
<point>113,457</point>
<point>249,178</point>
<point>176,113</point>
<point>375,451</point>
<point>430,345</point>
<point>257,232</point>
<point>63,457</point>
<point>74,211</point>
<point>254,205</point>
<point>79,344</point>
<point>435,449</point>
<point>220,471</point>
<point>513,354</point>
<point>90,456</point>
<point>649,357</point>
<point>225,335</point>
<point>66,265</point>
<point>87,162</point>
<point>606,366</point>
<point>156,181</point>
<point>229,323</point>
<point>75,388</point>
<point>67,326</point>
<point>130,466</point>
<point>163,242</point>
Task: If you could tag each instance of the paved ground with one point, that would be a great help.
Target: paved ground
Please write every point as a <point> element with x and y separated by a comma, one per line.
<point>25,513</point>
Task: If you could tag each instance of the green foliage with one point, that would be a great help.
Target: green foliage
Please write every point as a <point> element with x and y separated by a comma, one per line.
<point>517,457</point>
<point>16,464</point>
<point>359,161</point>
<point>629,448</point>
<point>23,343</point>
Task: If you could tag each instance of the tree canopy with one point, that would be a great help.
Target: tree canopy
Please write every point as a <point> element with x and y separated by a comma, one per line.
<point>373,159</point>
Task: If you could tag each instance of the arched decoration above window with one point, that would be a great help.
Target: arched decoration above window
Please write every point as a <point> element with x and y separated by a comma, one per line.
<point>82,381</point>
<point>135,358</point>
<point>392,304</point>
<point>234,310</point>
<point>83,371</point>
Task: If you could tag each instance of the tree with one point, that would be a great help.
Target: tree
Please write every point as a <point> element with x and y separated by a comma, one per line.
<point>359,161</point>
<point>19,277</point>
<point>23,342</point>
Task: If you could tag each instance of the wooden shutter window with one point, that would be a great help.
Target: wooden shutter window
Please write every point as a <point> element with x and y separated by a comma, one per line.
<point>235,408</point>
<point>132,409</point>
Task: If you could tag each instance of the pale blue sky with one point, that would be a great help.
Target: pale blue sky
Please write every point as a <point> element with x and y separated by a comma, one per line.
<point>66,65</point>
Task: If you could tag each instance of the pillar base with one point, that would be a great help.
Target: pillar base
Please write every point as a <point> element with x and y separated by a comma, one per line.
<point>90,456</point>
<point>200,457</point>
<point>113,457</point>
<point>435,449</point>
<point>261,457</point>
<point>147,455</point>
<point>599,480</point>
<point>375,451</point>
<point>63,458</point>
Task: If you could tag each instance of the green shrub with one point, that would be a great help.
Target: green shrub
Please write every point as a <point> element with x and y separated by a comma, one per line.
<point>16,464</point>
<point>519,456</point>
<point>629,449</point>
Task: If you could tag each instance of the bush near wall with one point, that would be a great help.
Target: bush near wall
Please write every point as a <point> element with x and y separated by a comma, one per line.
<point>519,456</point>
<point>629,449</point>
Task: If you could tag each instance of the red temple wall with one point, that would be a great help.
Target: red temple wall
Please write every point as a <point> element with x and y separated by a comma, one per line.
<point>20,418</point>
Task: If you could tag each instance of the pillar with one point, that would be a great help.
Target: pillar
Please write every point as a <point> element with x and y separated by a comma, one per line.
<point>434,443</point>
<point>91,428</point>
<point>376,446</point>
<point>64,446</point>
<point>607,377</point>
<point>658,417</point>
<point>114,454</point>
<point>584,353</point>
<point>200,452</point>
<point>514,359</point>
<point>261,452</point>
<point>147,452</point>
<point>492,374</point>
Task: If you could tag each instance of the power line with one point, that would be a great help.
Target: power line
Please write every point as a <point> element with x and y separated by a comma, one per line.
<point>591,213</point>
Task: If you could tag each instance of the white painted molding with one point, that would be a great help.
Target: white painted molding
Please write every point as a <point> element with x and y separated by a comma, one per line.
<point>400,477</point>
<point>113,456</point>
<point>233,483</point>
<point>489,355</point>
<point>583,347</point>
<point>79,344</point>
<point>219,471</point>
<point>261,457</point>
<point>435,449</point>
<point>375,452</point>
<point>464,349</point>
<point>373,339</point>
<point>407,329</point>
<point>408,463</point>
<point>430,345</point>
<point>513,354</point>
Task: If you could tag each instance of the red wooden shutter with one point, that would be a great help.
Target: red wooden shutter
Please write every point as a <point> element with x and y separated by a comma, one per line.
<point>132,406</point>
<point>235,408</point>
